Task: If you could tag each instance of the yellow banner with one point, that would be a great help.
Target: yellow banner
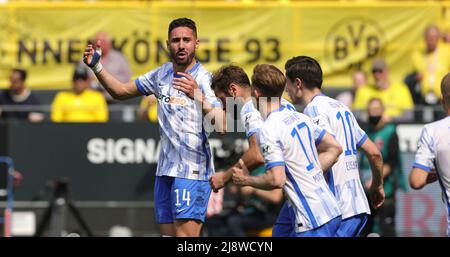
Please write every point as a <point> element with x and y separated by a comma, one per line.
<point>48,39</point>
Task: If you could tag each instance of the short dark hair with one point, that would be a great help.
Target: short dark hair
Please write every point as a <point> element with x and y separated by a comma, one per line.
<point>22,73</point>
<point>269,79</point>
<point>306,69</point>
<point>228,74</point>
<point>183,22</point>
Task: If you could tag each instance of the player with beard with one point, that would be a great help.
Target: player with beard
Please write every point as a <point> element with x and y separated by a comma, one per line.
<point>184,95</point>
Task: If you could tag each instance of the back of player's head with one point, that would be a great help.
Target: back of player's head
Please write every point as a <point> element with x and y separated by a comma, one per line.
<point>269,80</point>
<point>222,78</point>
<point>306,69</point>
<point>183,22</point>
<point>22,73</point>
<point>445,88</point>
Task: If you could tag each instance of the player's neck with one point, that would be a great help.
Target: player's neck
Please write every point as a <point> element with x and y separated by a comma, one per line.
<point>184,68</point>
<point>308,95</point>
<point>247,96</point>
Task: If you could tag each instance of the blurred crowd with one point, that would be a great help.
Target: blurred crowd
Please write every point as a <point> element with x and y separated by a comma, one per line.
<point>89,102</point>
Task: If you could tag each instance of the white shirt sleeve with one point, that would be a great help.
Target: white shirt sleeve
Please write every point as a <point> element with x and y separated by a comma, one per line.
<point>147,83</point>
<point>360,134</point>
<point>319,118</point>
<point>251,119</point>
<point>317,132</point>
<point>425,154</point>
<point>205,85</point>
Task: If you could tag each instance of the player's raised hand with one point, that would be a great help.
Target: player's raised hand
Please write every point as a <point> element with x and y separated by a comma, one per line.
<point>187,85</point>
<point>92,55</point>
<point>377,196</point>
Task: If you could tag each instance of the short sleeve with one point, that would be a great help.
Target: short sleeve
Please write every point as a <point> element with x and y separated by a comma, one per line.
<point>205,86</point>
<point>270,148</point>
<point>147,83</point>
<point>360,134</point>
<point>251,119</point>
<point>318,133</point>
<point>318,117</point>
<point>425,154</point>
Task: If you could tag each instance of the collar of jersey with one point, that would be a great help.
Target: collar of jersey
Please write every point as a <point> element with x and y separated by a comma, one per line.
<point>282,107</point>
<point>319,94</point>
<point>191,71</point>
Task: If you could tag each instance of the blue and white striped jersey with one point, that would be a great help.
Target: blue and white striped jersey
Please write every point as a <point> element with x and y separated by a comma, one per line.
<point>433,154</point>
<point>343,179</point>
<point>288,138</point>
<point>184,148</point>
<point>251,118</point>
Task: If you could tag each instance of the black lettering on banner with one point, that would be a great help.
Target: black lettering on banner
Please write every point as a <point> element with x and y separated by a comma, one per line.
<point>73,51</point>
<point>161,49</point>
<point>56,53</point>
<point>340,48</point>
<point>119,46</point>
<point>353,41</point>
<point>373,46</point>
<point>274,50</point>
<point>144,45</point>
<point>223,50</point>
<point>358,38</point>
<point>24,50</point>
<point>205,54</point>
<point>253,46</point>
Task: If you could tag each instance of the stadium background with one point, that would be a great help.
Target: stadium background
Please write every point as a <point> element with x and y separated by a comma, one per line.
<point>46,38</point>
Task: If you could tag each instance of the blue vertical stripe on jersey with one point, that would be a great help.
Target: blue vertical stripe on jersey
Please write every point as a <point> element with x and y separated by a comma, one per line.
<point>330,179</point>
<point>206,152</point>
<point>302,198</point>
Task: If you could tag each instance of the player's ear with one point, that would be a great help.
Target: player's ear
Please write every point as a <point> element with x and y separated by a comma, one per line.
<point>233,89</point>
<point>167,44</point>
<point>298,83</point>
<point>197,42</point>
<point>257,93</point>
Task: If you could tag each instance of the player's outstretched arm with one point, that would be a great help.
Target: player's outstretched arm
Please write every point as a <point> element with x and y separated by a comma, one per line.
<point>252,158</point>
<point>329,151</point>
<point>117,89</point>
<point>273,178</point>
<point>376,164</point>
<point>418,178</point>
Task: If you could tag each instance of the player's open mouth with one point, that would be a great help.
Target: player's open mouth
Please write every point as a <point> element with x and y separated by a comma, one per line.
<point>182,54</point>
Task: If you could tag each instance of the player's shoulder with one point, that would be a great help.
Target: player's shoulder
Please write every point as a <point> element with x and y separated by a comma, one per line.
<point>319,104</point>
<point>289,105</point>
<point>159,72</point>
<point>437,126</point>
<point>283,116</point>
<point>248,107</point>
<point>202,76</point>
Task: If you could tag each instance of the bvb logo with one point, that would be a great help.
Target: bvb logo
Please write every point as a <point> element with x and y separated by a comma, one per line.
<point>351,41</point>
